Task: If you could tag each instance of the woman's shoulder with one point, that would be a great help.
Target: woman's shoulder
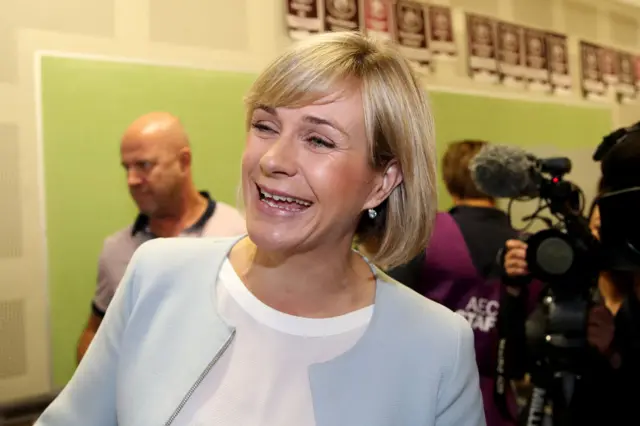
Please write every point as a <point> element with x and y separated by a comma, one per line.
<point>415,303</point>
<point>422,320</point>
<point>172,257</point>
<point>180,248</point>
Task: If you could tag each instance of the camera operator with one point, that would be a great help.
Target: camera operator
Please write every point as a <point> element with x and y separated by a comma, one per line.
<point>609,383</point>
<point>459,270</point>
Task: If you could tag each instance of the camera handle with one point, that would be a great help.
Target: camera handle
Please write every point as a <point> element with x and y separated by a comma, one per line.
<point>557,344</point>
<point>557,389</point>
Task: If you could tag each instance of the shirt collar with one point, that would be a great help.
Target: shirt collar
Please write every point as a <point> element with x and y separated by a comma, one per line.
<point>141,224</point>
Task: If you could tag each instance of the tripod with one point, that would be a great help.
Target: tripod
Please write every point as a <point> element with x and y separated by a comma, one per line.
<point>556,340</point>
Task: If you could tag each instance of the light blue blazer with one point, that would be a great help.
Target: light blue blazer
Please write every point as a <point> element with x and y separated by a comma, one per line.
<point>414,366</point>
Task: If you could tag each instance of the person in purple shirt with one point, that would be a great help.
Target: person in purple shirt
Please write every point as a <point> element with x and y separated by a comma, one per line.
<point>460,267</point>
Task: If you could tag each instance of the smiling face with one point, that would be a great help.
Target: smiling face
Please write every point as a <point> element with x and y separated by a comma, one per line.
<point>307,175</point>
<point>328,137</point>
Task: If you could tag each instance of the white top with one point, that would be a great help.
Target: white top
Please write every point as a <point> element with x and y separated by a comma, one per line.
<point>262,378</point>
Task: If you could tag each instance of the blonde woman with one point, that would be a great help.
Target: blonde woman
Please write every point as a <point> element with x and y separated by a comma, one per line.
<point>289,326</point>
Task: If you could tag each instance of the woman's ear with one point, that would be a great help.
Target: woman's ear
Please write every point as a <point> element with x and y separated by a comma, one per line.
<point>384,184</point>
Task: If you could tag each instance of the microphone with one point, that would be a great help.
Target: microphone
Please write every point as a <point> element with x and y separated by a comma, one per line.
<point>510,172</point>
<point>504,172</point>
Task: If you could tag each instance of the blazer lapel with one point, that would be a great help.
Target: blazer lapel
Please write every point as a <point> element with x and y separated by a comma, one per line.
<point>191,354</point>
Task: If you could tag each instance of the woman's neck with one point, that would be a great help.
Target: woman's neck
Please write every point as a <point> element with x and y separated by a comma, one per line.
<point>318,284</point>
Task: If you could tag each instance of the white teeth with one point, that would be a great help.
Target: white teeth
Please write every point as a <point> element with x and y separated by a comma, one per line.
<point>278,206</point>
<point>267,196</point>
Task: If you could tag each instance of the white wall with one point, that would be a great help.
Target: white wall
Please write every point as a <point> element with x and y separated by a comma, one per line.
<point>229,34</point>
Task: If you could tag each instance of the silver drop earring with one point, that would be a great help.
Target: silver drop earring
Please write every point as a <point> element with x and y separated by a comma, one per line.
<point>372,214</point>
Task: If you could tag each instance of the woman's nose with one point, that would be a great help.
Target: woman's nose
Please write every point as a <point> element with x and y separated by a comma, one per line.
<point>280,158</point>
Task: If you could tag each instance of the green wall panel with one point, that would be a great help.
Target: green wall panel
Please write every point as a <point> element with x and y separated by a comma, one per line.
<point>87,105</point>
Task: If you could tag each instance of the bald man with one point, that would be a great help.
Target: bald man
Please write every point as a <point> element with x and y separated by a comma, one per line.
<point>156,157</point>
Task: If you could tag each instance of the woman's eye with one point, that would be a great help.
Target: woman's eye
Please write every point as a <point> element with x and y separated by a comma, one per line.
<point>262,127</point>
<point>320,142</point>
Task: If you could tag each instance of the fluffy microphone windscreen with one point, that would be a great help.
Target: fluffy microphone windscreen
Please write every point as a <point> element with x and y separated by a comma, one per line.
<point>503,172</point>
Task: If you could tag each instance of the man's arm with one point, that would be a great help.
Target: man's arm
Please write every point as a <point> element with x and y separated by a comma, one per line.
<point>88,334</point>
<point>105,289</point>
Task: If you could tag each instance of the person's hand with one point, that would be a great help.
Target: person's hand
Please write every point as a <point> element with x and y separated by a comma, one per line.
<point>515,258</point>
<point>600,333</point>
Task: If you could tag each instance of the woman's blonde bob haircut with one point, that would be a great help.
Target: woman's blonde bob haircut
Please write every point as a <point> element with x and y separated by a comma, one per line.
<point>398,121</point>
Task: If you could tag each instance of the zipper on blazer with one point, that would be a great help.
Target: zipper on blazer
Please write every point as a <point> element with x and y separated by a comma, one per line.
<point>200,379</point>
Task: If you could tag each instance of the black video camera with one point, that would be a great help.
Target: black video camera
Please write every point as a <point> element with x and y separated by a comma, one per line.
<point>565,255</point>
<point>568,258</point>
